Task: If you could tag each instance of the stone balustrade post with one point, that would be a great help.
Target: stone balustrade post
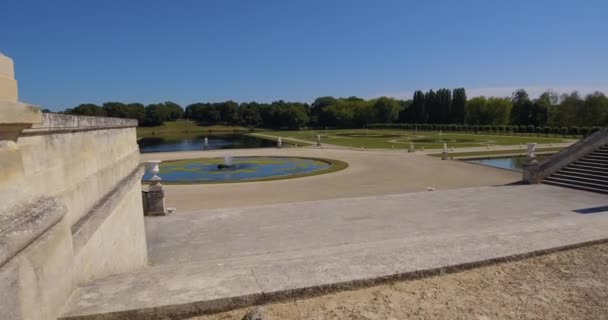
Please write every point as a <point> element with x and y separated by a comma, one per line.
<point>155,197</point>
<point>531,167</point>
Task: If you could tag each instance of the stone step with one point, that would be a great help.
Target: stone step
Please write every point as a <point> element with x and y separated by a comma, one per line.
<point>573,186</point>
<point>576,182</point>
<point>592,162</point>
<point>588,167</point>
<point>596,156</point>
<point>581,178</point>
<point>583,172</point>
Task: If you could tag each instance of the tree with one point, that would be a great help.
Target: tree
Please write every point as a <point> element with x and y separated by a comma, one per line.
<point>249,114</point>
<point>498,111</point>
<point>444,105</point>
<point>87,109</point>
<point>566,112</point>
<point>229,112</point>
<point>174,110</point>
<point>521,113</point>
<point>293,117</point>
<point>340,114</point>
<point>540,112</point>
<point>459,101</point>
<point>405,115</point>
<point>115,109</point>
<point>156,114</point>
<point>386,110</point>
<point>594,112</point>
<point>492,111</point>
<point>475,111</point>
<point>431,106</point>
<point>316,110</point>
<point>136,111</point>
<point>419,113</point>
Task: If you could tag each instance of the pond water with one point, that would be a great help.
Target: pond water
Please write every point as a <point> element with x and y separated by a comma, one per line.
<point>190,142</point>
<point>245,169</point>
<point>510,163</point>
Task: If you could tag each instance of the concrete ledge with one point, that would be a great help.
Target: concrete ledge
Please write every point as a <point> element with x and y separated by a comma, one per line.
<point>86,226</point>
<point>22,225</point>
<point>55,123</point>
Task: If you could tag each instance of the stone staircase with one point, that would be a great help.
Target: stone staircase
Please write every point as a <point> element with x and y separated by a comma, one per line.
<point>589,173</point>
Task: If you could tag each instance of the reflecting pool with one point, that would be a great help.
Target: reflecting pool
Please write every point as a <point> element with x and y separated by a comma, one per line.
<point>241,169</point>
<point>509,163</point>
<point>190,142</point>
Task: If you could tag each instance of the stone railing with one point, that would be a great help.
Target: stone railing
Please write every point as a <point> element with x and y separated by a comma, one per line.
<point>54,123</point>
<point>536,173</point>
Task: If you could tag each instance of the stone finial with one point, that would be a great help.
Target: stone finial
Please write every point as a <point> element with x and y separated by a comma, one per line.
<point>532,153</point>
<point>8,85</point>
<point>14,115</point>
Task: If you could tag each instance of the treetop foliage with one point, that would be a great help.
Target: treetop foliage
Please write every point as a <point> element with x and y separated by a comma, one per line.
<point>443,106</point>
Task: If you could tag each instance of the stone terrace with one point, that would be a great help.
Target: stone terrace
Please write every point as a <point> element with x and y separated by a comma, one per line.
<point>213,260</point>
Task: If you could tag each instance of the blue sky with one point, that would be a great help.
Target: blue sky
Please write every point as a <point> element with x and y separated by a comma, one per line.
<point>71,52</point>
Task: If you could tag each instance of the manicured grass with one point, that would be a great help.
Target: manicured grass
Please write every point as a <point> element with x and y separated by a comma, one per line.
<point>494,153</point>
<point>400,139</point>
<point>186,126</point>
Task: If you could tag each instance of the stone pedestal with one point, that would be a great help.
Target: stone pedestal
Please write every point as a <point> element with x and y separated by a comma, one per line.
<point>154,198</point>
<point>8,85</point>
<point>531,173</point>
<point>14,115</point>
<point>531,169</point>
<point>411,148</point>
<point>155,203</point>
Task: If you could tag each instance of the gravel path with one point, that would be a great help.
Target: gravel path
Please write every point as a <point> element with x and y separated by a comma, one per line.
<point>571,284</point>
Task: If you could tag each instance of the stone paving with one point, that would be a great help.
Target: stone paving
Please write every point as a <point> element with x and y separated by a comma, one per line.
<point>370,172</point>
<point>212,260</point>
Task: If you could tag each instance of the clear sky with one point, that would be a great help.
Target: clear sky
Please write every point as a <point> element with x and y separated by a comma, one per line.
<point>71,52</point>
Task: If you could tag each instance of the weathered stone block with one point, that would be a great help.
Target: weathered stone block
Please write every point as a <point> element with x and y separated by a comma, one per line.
<point>156,203</point>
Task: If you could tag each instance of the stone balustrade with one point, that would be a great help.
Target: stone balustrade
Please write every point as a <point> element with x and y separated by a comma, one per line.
<point>535,173</point>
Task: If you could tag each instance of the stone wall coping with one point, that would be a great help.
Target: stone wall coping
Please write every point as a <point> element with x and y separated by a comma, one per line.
<point>24,223</point>
<point>53,122</point>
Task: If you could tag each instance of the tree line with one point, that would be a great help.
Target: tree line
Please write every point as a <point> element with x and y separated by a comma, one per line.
<point>443,106</point>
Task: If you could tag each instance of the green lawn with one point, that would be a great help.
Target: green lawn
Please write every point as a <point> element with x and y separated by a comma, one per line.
<point>186,126</point>
<point>400,139</point>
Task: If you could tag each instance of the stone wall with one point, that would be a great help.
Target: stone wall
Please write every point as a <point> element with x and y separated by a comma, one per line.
<point>70,203</point>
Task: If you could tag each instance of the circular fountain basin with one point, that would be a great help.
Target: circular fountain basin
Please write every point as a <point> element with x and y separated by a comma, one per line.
<point>211,170</point>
